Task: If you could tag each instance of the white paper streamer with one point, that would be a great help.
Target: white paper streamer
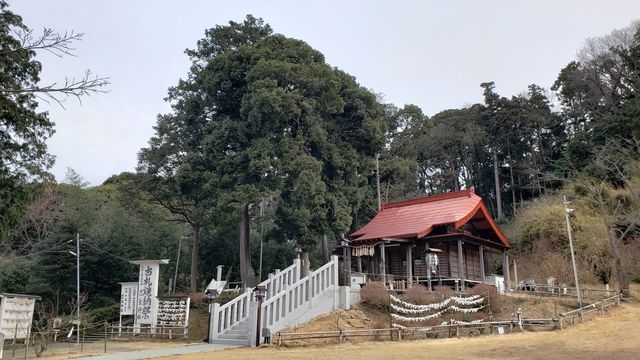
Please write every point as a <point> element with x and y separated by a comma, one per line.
<point>416,319</point>
<point>423,329</point>
<point>465,310</point>
<point>406,308</point>
<point>423,308</point>
<point>471,300</point>
<point>452,321</point>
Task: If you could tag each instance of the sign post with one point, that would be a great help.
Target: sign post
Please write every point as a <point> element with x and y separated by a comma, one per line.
<point>16,315</point>
<point>147,302</point>
<point>128,301</point>
<point>173,312</point>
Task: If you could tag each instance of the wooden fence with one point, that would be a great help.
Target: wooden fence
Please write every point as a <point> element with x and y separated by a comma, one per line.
<point>588,311</point>
<point>459,329</point>
<point>563,291</point>
<point>160,331</point>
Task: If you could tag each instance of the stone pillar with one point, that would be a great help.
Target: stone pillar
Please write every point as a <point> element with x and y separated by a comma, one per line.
<point>505,270</point>
<point>219,273</point>
<point>298,270</point>
<point>336,287</point>
<point>253,322</point>
<point>213,321</point>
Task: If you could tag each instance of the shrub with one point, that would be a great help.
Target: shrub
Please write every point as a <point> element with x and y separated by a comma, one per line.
<point>443,291</point>
<point>494,299</point>
<point>418,294</point>
<point>375,294</point>
<point>102,314</point>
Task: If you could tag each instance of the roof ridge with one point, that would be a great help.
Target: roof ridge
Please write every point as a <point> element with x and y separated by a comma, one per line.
<point>430,198</point>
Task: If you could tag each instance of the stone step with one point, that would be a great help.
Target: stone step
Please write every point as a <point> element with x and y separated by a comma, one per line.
<point>243,342</point>
<point>243,328</point>
<point>237,332</point>
<point>233,337</point>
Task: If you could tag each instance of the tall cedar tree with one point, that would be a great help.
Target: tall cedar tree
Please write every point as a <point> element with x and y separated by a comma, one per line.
<point>260,114</point>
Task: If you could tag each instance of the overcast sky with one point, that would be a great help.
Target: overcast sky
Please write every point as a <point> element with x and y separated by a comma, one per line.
<point>433,54</point>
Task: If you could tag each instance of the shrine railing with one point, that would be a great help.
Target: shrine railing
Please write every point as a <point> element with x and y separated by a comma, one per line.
<point>280,279</point>
<point>294,298</point>
<point>225,316</point>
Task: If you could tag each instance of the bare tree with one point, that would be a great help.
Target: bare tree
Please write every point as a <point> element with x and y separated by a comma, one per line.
<point>619,205</point>
<point>605,64</point>
<point>60,45</point>
<point>43,326</point>
<point>39,219</point>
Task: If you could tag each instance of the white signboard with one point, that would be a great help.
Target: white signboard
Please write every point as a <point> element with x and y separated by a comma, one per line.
<point>174,312</point>
<point>128,297</point>
<point>16,314</point>
<point>147,292</point>
<point>216,285</point>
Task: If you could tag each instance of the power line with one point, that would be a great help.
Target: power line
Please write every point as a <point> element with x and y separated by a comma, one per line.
<point>104,251</point>
<point>60,247</point>
<point>47,251</point>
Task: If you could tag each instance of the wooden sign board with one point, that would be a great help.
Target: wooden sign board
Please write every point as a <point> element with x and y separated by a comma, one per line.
<point>128,298</point>
<point>16,315</point>
<point>173,312</point>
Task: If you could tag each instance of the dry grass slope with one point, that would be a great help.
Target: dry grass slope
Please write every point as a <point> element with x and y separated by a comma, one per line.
<point>614,336</point>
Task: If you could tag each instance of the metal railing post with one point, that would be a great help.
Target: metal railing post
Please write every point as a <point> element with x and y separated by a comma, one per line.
<point>106,327</point>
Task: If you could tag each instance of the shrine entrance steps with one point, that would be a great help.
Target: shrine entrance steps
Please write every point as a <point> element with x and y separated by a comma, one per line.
<point>291,299</point>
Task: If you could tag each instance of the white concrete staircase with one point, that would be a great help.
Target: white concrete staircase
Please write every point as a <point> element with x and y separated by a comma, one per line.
<point>238,334</point>
<point>289,301</point>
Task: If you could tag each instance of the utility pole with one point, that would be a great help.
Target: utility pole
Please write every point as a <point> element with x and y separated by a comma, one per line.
<point>78,284</point>
<point>573,257</point>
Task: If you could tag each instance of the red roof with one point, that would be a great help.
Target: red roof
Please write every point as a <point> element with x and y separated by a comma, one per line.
<point>415,218</point>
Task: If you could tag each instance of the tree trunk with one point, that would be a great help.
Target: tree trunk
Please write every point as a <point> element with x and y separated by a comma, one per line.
<point>306,266</point>
<point>456,182</point>
<point>325,250</point>
<point>541,185</point>
<point>623,279</point>
<point>247,275</point>
<point>520,192</point>
<point>513,188</point>
<point>496,178</point>
<point>195,249</point>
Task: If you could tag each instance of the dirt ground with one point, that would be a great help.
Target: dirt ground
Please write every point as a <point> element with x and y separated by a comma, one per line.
<point>613,336</point>
<point>62,351</point>
<point>362,317</point>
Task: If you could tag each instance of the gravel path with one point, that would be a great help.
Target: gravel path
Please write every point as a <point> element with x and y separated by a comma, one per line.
<point>154,353</point>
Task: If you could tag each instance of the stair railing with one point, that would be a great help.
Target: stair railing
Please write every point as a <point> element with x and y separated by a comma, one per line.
<point>279,306</point>
<point>280,279</point>
<point>223,317</point>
